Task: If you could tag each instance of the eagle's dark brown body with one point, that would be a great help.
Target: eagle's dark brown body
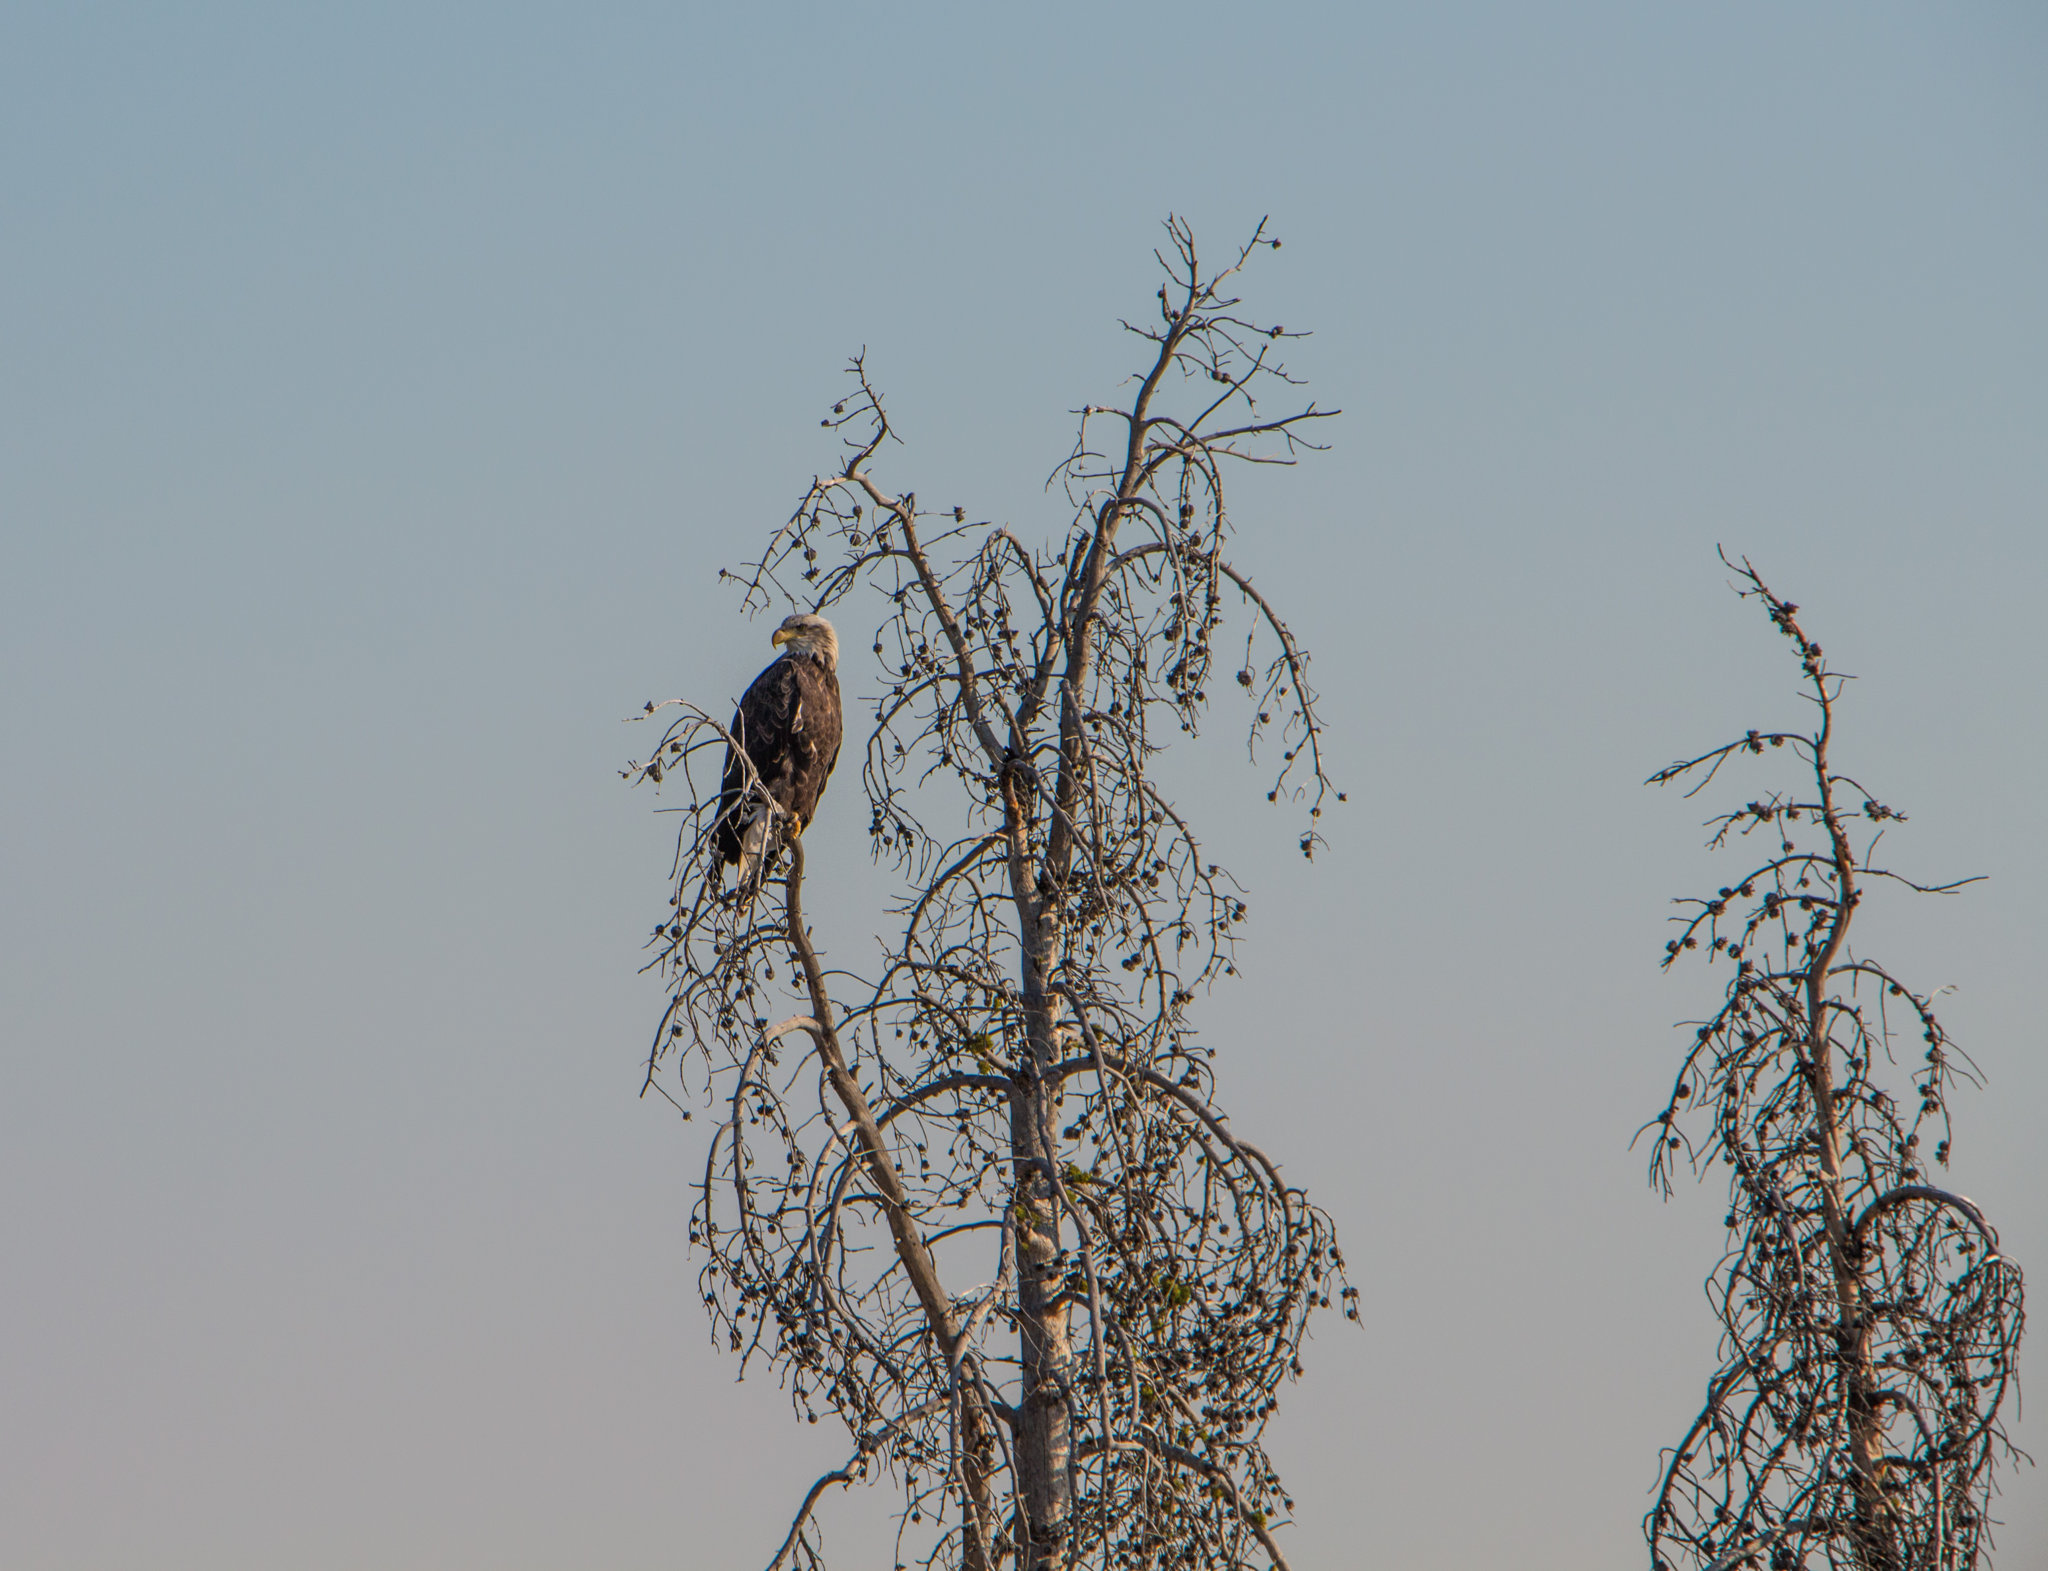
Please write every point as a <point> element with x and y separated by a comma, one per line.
<point>789,726</point>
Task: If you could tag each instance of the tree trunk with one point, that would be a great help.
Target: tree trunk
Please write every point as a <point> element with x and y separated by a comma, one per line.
<point>1044,1430</point>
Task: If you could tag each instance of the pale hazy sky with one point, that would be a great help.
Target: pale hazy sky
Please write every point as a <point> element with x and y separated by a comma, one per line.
<point>381,387</point>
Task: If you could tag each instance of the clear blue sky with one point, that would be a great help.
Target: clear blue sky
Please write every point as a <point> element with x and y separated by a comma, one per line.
<point>382,386</point>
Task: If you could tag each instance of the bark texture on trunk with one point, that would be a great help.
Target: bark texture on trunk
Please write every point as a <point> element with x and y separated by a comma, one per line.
<point>1044,1430</point>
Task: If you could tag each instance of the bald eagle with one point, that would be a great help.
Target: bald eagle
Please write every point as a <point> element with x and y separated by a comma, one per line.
<point>788,726</point>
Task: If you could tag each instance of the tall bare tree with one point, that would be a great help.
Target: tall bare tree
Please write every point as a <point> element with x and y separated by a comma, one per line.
<point>977,1200</point>
<point>1870,1324</point>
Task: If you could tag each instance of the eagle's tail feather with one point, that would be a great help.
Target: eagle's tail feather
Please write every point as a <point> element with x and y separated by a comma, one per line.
<point>754,849</point>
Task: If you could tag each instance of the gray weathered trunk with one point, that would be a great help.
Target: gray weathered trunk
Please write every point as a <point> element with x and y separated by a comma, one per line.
<point>1044,1431</point>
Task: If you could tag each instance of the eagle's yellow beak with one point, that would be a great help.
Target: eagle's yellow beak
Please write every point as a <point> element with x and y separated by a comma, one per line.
<point>782,636</point>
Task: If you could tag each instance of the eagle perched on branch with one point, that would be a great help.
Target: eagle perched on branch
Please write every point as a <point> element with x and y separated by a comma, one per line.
<point>788,726</point>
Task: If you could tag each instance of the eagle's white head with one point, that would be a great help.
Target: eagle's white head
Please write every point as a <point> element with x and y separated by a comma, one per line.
<point>811,636</point>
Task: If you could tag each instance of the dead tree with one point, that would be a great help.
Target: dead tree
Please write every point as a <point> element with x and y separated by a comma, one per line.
<point>976,1199</point>
<point>1870,1325</point>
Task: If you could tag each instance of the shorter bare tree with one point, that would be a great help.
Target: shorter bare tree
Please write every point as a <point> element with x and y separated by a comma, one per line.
<point>1870,1324</point>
